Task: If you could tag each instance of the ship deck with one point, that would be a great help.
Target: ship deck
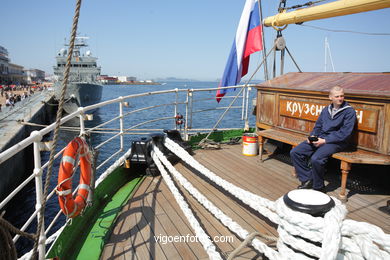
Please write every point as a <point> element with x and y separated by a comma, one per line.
<point>153,213</point>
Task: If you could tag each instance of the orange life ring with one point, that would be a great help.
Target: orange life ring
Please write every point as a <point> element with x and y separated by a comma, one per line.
<point>70,206</point>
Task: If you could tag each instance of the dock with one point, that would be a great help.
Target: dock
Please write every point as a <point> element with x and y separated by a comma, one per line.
<point>36,109</point>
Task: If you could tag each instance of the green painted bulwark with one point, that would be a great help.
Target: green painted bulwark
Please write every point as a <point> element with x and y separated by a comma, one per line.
<point>84,238</point>
<point>218,136</point>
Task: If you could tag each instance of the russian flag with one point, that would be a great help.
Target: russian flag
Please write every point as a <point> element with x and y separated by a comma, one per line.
<point>247,41</point>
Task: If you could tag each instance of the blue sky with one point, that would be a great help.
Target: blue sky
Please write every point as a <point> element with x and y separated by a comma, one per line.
<point>184,39</point>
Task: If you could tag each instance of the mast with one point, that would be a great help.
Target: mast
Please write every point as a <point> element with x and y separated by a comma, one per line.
<point>327,50</point>
<point>337,8</point>
<point>263,42</point>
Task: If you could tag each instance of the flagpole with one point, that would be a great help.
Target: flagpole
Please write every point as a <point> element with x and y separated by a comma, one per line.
<point>239,93</point>
<point>263,40</point>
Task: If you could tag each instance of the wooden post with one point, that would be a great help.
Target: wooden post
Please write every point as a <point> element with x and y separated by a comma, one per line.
<point>294,172</point>
<point>261,143</point>
<point>345,168</point>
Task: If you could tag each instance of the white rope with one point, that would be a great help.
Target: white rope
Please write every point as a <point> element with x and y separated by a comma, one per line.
<point>223,218</point>
<point>262,205</point>
<point>340,238</point>
<point>200,233</point>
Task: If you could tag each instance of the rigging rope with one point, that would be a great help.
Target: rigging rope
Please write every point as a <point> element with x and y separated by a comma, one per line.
<point>310,3</point>
<point>7,246</point>
<point>238,94</point>
<point>332,236</point>
<point>345,31</point>
<point>56,131</point>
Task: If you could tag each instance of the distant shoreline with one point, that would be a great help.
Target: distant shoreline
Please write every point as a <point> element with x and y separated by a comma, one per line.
<point>132,83</point>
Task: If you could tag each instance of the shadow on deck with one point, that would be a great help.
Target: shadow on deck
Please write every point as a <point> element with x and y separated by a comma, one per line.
<point>152,220</point>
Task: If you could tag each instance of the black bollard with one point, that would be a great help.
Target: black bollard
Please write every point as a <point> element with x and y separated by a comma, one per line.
<point>175,136</point>
<point>141,151</point>
<point>141,156</point>
<point>309,201</point>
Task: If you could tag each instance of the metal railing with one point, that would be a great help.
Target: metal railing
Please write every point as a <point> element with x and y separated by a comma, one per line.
<point>181,97</point>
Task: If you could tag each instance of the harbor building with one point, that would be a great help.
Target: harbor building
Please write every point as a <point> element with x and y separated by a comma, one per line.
<point>16,74</point>
<point>35,75</point>
<point>4,65</point>
<point>104,79</point>
<point>10,73</point>
<point>126,79</point>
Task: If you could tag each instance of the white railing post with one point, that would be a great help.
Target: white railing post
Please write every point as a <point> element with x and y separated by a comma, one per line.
<point>82,125</point>
<point>243,103</point>
<point>39,193</point>
<point>186,123</point>
<point>246,109</point>
<point>191,106</point>
<point>175,112</point>
<point>121,124</point>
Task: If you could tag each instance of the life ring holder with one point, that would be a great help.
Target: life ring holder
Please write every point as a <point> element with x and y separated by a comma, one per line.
<point>76,149</point>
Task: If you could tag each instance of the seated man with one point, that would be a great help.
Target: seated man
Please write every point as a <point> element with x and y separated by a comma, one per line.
<point>333,130</point>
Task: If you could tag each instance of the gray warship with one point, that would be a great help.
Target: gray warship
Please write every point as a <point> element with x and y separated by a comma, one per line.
<point>83,87</point>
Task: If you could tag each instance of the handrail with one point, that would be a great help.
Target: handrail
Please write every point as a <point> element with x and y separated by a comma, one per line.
<point>36,136</point>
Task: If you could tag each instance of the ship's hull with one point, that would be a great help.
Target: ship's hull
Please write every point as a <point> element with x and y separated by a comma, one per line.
<point>80,94</point>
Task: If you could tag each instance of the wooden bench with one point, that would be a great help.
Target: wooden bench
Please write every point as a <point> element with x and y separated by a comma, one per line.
<point>347,158</point>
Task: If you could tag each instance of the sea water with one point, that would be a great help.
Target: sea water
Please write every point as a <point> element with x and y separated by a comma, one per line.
<point>20,208</point>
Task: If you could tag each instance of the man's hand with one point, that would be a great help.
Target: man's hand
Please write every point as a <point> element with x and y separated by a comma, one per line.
<point>320,142</point>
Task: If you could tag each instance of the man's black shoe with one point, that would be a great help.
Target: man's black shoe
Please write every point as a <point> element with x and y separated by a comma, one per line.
<point>323,189</point>
<point>306,185</point>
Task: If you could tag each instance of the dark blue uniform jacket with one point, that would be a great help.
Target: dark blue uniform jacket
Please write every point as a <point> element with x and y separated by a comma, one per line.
<point>336,130</point>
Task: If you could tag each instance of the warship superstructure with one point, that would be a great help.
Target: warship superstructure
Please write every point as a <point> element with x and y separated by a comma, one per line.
<point>83,87</point>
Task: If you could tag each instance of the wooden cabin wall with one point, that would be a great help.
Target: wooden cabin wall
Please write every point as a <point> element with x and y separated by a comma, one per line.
<point>298,111</point>
<point>386,134</point>
<point>265,112</point>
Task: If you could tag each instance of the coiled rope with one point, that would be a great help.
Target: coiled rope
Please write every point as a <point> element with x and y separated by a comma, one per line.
<point>339,237</point>
<point>200,233</point>
<point>7,246</point>
<point>223,218</point>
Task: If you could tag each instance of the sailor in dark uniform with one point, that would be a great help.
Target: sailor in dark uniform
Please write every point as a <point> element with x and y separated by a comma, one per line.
<point>331,134</point>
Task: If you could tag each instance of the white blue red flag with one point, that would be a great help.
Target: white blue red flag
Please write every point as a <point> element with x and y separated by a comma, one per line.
<point>247,41</point>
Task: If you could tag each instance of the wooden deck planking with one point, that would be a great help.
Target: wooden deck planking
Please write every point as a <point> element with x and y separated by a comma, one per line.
<point>369,203</point>
<point>130,230</point>
<point>233,210</point>
<point>242,213</point>
<point>169,217</point>
<point>233,172</point>
<point>278,169</point>
<point>362,209</point>
<point>124,235</point>
<point>176,224</point>
<point>212,226</point>
<point>160,214</point>
<point>236,212</point>
<point>271,183</point>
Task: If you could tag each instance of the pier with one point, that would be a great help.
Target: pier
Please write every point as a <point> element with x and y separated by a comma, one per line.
<point>38,108</point>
